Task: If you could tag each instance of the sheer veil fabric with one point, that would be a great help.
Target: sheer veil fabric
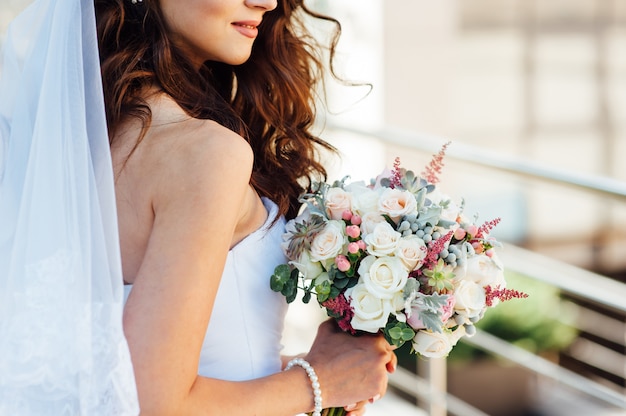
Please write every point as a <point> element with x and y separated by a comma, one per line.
<point>62,347</point>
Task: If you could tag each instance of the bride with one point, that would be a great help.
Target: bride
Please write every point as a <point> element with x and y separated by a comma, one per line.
<point>209,105</point>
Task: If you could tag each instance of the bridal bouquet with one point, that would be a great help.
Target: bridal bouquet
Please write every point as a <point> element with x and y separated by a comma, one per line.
<point>394,255</point>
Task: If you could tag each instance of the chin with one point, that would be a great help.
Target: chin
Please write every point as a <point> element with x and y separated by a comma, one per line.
<point>238,60</point>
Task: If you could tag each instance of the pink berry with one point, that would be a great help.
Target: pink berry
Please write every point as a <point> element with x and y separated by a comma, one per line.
<point>478,247</point>
<point>459,233</point>
<point>355,220</point>
<point>361,244</point>
<point>343,264</point>
<point>353,231</point>
<point>346,215</point>
<point>353,248</point>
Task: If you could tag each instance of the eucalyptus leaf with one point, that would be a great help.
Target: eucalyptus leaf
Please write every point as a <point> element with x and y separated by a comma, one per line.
<point>407,334</point>
<point>322,297</point>
<point>341,283</point>
<point>276,283</point>
<point>290,290</point>
<point>307,297</point>
<point>395,332</point>
<point>282,274</point>
<point>352,283</point>
<point>323,288</point>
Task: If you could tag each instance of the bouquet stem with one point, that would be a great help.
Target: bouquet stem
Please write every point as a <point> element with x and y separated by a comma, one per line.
<point>333,411</point>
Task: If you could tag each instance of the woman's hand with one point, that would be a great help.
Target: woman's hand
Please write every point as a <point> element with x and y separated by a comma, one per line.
<point>352,369</point>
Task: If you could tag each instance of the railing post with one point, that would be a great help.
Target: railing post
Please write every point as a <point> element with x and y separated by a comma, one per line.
<point>434,371</point>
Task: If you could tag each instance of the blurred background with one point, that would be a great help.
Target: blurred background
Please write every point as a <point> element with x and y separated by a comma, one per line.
<point>531,95</point>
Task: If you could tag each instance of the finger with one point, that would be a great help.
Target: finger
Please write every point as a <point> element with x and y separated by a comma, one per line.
<point>356,409</point>
<point>375,398</point>
<point>392,364</point>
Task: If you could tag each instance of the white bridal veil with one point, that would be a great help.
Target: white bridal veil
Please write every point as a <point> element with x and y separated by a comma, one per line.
<point>62,349</point>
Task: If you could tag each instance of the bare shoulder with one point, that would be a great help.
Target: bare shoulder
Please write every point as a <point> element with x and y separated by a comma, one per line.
<point>192,146</point>
<point>185,174</point>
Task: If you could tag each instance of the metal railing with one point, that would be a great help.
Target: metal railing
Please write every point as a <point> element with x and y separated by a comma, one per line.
<point>431,389</point>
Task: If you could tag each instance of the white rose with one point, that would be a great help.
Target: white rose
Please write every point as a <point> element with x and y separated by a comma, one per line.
<point>483,270</point>
<point>364,198</point>
<point>383,240</point>
<point>384,277</point>
<point>329,242</point>
<point>411,250</point>
<point>396,203</point>
<point>370,312</point>
<point>470,299</point>
<point>436,344</point>
<point>337,201</point>
<point>369,221</point>
<point>309,269</point>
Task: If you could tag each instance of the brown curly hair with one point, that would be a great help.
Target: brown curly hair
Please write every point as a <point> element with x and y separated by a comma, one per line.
<point>269,100</point>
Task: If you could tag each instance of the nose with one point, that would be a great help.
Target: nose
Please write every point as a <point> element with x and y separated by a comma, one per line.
<point>266,5</point>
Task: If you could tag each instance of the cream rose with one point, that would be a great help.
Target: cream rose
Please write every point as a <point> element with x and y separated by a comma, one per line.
<point>337,201</point>
<point>483,270</point>
<point>470,299</point>
<point>370,312</point>
<point>383,240</point>
<point>309,269</point>
<point>411,250</point>
<point>396,203</point>
<point>369,221</point>
<point>384,277</point>
<point>364,198</point>
<point>436,344</point>
<point>329,242</point>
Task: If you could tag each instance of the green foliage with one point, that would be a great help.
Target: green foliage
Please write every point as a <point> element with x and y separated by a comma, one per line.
<point>440,277</point>
<point>285,281</point>
<point>429,215</point>
<point>430,315</point>
<point>397,333</point>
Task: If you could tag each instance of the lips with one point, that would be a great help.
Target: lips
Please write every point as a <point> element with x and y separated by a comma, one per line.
<point>247,28</point>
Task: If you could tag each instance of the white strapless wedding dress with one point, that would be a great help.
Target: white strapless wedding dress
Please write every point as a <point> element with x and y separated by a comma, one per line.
<point>243,339</point>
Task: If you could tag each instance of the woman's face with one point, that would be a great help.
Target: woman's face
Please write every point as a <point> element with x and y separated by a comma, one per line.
<point>216,30</point>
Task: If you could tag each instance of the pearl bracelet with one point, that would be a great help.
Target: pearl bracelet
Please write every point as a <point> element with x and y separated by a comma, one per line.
<point>317,392</point>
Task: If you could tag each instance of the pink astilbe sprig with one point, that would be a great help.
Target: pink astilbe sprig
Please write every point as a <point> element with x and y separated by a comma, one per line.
<point>433,170</point>
<point>396,175</point>
<point>342,311</point>
<point>487,227</point>
<point>434,248</point>
<point>502,294</point>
